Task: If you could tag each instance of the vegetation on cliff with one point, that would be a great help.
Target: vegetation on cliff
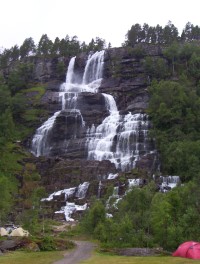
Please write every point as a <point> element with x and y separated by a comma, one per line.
<point>144,217</point>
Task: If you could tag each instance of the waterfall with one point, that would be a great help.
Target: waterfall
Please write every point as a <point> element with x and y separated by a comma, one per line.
<point>99,190</point>
<point>67,192</point>
<point>82,189</point>
<point>168,182</point>
<point>120,138</point>
<point>112,176</point>
<point>68,94</point>
<point>40,146</point>
<point>70,71</point>
<point>94,70</point>
<point>70,208</point>
<point>134,183</point>
<point>100,140</point>
<point>114,198</point>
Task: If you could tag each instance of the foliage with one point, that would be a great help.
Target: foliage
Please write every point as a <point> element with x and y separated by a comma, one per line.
<point>160,35</point>
<point>6,202</point>
<point>27,48</point>
<point>100,258</point>
<point>144,217</point>
<point>156,68</point>
<point>19,78</point>
<point>15,110</point>
<point>174,109</point>
<point>47,244</point>
<point>21,257</point>
<point>94,217</point>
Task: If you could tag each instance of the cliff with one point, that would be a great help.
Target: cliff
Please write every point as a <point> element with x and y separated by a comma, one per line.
<point>125,79</point>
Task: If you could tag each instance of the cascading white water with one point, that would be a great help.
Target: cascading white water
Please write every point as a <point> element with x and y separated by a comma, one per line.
<point>131,140</point>
<point>94,70</point>
<point>70,208</point>
<point>82,189</point>
<point>115,196</point>
<point>67,192</point>
<point>112,176</point>
<point>100,140</point>
<point>68,95</point>
<point>40,145</point>
<point>118,137</point>
<point>168,182</point>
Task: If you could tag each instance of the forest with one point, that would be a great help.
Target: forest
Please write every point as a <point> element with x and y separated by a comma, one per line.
<point>154,218</point>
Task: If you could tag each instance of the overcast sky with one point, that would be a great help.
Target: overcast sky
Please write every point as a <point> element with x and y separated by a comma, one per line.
<point>87,19</point>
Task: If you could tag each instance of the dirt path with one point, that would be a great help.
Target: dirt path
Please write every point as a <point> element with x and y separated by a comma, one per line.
<point>81,252</point>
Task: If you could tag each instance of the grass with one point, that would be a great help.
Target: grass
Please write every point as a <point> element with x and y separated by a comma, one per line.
<point>98,258</point>
<point>20,257</point>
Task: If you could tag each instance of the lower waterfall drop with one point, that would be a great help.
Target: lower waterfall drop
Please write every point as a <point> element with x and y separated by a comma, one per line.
<point>120,138</point>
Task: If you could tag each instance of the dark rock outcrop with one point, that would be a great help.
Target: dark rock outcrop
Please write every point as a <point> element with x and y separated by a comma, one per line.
<point>60,173</point>
<point>125,79</point>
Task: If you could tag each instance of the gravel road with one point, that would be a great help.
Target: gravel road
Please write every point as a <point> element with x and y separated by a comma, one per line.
<point>81,252</point>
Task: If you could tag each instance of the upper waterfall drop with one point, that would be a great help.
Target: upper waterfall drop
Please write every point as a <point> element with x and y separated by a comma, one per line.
<point>68,95</point>
<point>92,76</point>
<point>93,73</point>
<point>70,71</point>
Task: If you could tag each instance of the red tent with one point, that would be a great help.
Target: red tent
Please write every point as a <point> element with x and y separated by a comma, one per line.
<point>189,249</point>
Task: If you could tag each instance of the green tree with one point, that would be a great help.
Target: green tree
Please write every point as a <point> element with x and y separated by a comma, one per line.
<point>44,46</point>
<point>27,48</point>
<point>14,53</point>
<point>56,47</point>
<point>5,98</point>
<point>165,228</point>
<point>186,52</point>
<point>151,35</point>
<point>170,33</point>
<point>18,105</point>
<point>94,217</point>
<point>5,58</point>
<point>19,78</point>
<point>172,54</point>
<point>156,67</point>
<point>133,35</point>
<point>194,67</point>
<point>159,34</point>
<point>183,158</point>
<point>6,200</point>
<point>6,127</point>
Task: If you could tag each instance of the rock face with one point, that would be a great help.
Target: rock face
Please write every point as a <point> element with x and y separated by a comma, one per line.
<point>58,173</point>
<point>87,117</point>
